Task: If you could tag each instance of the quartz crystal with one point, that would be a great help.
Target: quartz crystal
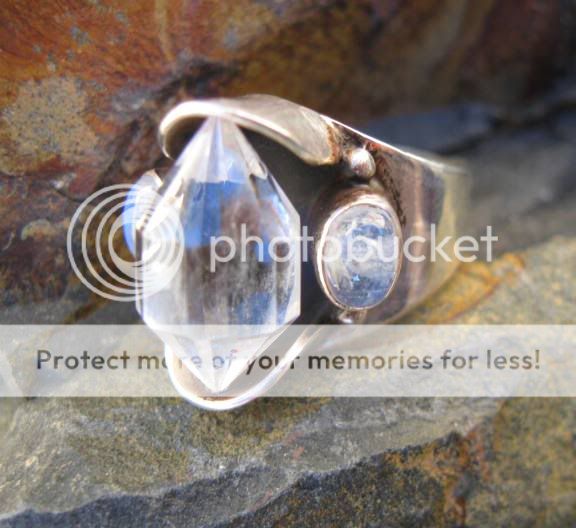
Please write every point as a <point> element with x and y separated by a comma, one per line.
<point>237,286</point>
<point>138,203</point>
<point>360,258</point>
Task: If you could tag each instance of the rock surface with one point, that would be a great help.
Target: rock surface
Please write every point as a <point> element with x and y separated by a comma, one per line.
<point>83,89</point>
<point>321,462</point>
<point>83,86</point>
<point>292,462</point>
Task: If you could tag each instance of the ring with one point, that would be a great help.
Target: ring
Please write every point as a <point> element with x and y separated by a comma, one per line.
<point>286,216</point>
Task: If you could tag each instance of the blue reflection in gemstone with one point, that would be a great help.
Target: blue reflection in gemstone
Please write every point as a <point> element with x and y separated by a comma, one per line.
<point>366,267</point>
<point>208,202</point>
<point>204,209</point>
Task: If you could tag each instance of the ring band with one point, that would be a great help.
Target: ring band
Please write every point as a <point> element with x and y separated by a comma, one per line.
<point>337,177</point>
<point>426,190</point>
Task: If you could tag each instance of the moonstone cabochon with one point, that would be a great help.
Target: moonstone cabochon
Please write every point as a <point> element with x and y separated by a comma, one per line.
<point>360,255</point>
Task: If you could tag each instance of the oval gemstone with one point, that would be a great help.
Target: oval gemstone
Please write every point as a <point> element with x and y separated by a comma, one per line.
<point>360,256</point>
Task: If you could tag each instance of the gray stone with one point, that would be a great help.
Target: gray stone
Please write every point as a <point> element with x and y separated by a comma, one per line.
<point>440,130</point>
<point>404,462</point>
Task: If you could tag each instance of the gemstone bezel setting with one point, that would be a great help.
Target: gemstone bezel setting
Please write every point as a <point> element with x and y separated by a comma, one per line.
<point>344,203</point>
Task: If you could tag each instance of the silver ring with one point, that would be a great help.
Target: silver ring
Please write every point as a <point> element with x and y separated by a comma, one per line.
<point>271,165</point>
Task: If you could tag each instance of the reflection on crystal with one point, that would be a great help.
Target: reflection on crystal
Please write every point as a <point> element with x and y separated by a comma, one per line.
<point>220,188</point>
<point>139,202</point>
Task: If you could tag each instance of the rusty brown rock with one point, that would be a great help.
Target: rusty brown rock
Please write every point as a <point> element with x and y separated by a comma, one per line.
<point>82,86</point>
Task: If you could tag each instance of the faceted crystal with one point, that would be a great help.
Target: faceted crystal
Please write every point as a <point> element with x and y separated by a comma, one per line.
<point>238,285</point>
<point>360,258</point>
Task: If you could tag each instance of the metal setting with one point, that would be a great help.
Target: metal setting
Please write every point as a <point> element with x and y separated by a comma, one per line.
<point>306,133</point>
<point>424,190</point>
<point>313,152</point>
<point>189,387</point>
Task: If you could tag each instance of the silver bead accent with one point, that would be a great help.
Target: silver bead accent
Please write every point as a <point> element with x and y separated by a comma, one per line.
<point>362,163</point>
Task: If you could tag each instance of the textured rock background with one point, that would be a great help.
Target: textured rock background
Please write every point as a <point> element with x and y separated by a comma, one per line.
<point>82,88</point>
<point>83,85</point>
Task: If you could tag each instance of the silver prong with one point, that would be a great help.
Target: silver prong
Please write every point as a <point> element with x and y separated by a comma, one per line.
<point>351,316</point>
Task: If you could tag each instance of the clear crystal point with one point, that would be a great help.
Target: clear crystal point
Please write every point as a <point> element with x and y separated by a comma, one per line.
<point>218,312</point>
